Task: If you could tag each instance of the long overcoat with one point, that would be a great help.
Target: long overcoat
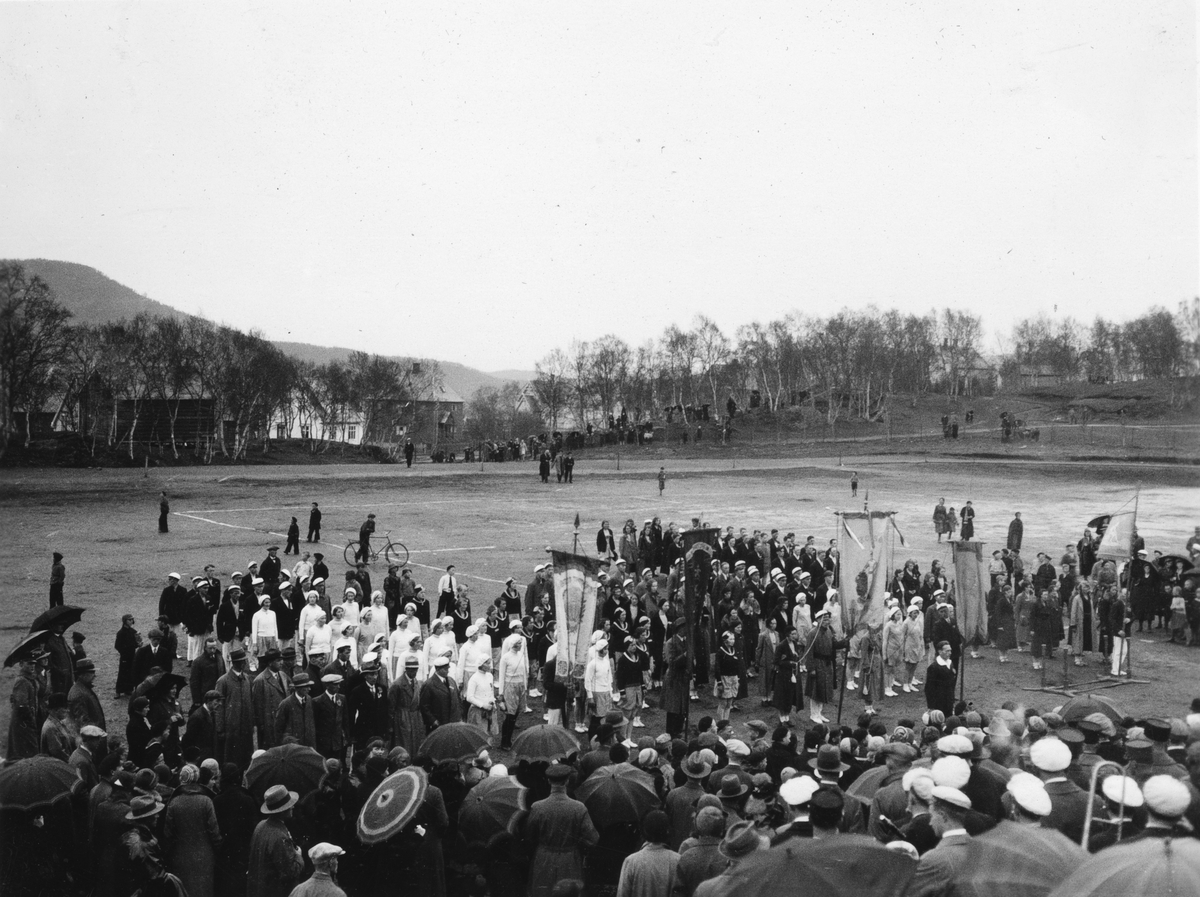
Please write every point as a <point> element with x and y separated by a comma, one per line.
<point>675,685</point>
<point>192,839</point>
<point>235,719</point>
<point>404,701</point>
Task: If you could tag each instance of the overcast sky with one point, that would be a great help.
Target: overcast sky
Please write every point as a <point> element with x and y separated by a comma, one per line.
<point>485,182</point>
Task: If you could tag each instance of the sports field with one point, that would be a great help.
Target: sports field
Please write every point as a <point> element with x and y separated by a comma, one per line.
<point>496,520</point>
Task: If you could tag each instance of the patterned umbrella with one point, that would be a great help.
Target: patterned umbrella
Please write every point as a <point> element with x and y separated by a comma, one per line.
<point>1162,867</point>
<point>488,807</point>
<point>35,782</point>
<point>547,743</point>
<point>1018,861</point>
<point>846,866</point>
<point>454,741</point>
<point>392,805</point>
<point>298,767</point>
<point>620,793</point>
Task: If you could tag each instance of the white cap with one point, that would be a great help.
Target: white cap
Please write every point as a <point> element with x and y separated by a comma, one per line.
<point>798,790</point>
<point>737,748</point>
<point>343,643</point>
<point>920,782</point>
<point>1030,794</point>
<point>951,796</point>
<point>1113,786</point>
<point>173,576</point>
<point>1166,796</point>
<point>951,772</point>
<point>471,630</point>
<point>955,745</point>
<point>1050,755</point>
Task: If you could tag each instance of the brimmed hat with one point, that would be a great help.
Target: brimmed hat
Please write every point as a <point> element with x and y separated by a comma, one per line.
<point>951,796</point>
<point>84,666</point>
<point>143,807</point>
<point>694,767</point>
<point>741,840</point>
<point>614,718</point>
<point>828,760</point>
<point>731,787</point>
<point>277,800</point>
<point>301,680</point>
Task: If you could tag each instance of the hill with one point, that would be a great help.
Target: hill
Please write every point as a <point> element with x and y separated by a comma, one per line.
<point>94,298</point>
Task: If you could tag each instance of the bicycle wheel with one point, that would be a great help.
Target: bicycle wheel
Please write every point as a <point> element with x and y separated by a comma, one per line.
<point>350,553</point>
<point>396,553</point>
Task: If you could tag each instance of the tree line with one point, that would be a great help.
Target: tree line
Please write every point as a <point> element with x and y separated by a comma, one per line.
<point>849,363</point>
<point>211,389</point>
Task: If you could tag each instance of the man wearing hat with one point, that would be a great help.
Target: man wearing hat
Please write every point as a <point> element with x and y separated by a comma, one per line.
<point>275,861</point>
<point>367,712</point>
<point>828,768</point>
<point>235,719</point>
<point>1122,801</point>
<point>1166,801</point>
<point>85,705</point>
<point>92,740</point>
<point>675,688</point>
<point>294,715</point>
<point>404,701</point>
<point>324,858</point>
<point>681,800</point>
<point>796,792</point>
<point>742,839</point>
<point>559,831</point>
<point>56,738</point>
<point>938,869</point>
<point>1050,758</point>
<point>890,799</point>
<point>201,731</point>
<point>703,859</point>
<point>1158,733</point>
<point>329,718</point>
<point>206,669</point>
<point>441,700</point>
<point>172,603</point>
<point>199,608</point>
<point>269,689</point>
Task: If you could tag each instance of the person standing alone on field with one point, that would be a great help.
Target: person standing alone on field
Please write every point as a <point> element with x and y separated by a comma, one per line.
<point>409,452</point>
<point>164,508</point>
<point>1016,532</point>
<point>364,539</point>
<point>314,524</point>
<point>58,578</point>
<point>854,484</point>
<point>662,480</point>
<point>293,538</point>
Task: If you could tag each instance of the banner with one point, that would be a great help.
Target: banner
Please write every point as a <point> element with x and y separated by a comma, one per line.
<point>698,550</point>
<point>865,549</point>
<point>970,594</point>
<point>576,579</point>
<point>1118,537</point>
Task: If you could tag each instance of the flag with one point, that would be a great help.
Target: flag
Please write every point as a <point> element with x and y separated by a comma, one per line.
<point>969,593</point>
<point>1118,537</point>
<point>865,561</point>
<point>576,581</point>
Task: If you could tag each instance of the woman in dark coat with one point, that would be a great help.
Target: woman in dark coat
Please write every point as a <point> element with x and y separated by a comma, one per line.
<point>191,835</point>
<point>940,680</point>
<point>1006,623</point>
<point>127,642</point>
<point>237,815</point>
<point>787,658</point>
<point>822,647</point>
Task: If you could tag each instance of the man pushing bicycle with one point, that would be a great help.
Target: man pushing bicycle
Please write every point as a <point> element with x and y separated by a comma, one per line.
<point>364,539</point>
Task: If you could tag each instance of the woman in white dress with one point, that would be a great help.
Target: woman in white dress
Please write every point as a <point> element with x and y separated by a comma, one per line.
<point>264,632</point>
<point>343,628</point>
<point>408,644</point>
<point>435,645</point>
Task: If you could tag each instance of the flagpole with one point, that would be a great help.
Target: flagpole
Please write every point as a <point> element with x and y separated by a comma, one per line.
<point>1129,607</point>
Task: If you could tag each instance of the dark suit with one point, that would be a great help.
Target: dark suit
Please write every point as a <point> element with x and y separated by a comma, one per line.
<point>204,675</point>
<point>147,658</point>
<point>268,691</point>
<point>329,719</point>
<point>202,733</point>
<point>367,713</point>
<point>1068,808</point>
<point>938,870</point>
<point>296,719</point>
<point>440,702</point>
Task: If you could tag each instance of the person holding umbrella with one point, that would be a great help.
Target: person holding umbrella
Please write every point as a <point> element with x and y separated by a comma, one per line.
<point>275,860</point>
<point>559,830</point>
<point>27,703</point>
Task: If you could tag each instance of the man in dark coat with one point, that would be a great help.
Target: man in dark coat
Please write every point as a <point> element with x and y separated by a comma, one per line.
<point>58,579</point>
<point>85,705</point>
<point>235,722</point>
<point>294,718</point>
<point>559,831</point>
<point>237,815</point>
<point>676,688</point>
<point>1016,533</point>
<point>173,601</point>
<point>821,648</point>
<point>151,655</point>
<point>314,524</point>
<point>206,670</point>
<point>441,701</point>
<point>201,731</point>
<point>269,689</point>
<point>367,709</point>
<point>198,611</point>
<point>62,664</point>
<point>404,696</point>
<point>329,718</point>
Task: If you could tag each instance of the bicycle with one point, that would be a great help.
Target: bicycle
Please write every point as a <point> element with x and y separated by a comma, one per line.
<point>393,552</point>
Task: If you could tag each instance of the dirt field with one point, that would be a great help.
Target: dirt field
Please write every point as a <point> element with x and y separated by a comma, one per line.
<point>497,520</point>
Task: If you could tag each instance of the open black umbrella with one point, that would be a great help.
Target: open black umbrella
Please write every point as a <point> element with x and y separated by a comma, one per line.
<point>845,866</point>
<point>488,807</point>
<point>165,681</point>
<point>454,741</point>
<point>296,766</point>
<point>1172,559</point>
<point>35,782</point>
<point>65,615</point>
<point>28,648</point>
<point>547,743</point>
<point>392,805</point>
<point>618,793</point>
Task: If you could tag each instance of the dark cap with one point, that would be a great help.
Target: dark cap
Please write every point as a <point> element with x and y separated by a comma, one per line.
<point>1157,730</point>
<point>559,772</point>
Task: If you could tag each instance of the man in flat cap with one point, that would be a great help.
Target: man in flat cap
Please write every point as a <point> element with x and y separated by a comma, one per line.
<point>294,716</point>
<point>938,869</point>
<point>559,830</point>
<point>324,858</point>
<point>201,731</point>
<point>85,706</point>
